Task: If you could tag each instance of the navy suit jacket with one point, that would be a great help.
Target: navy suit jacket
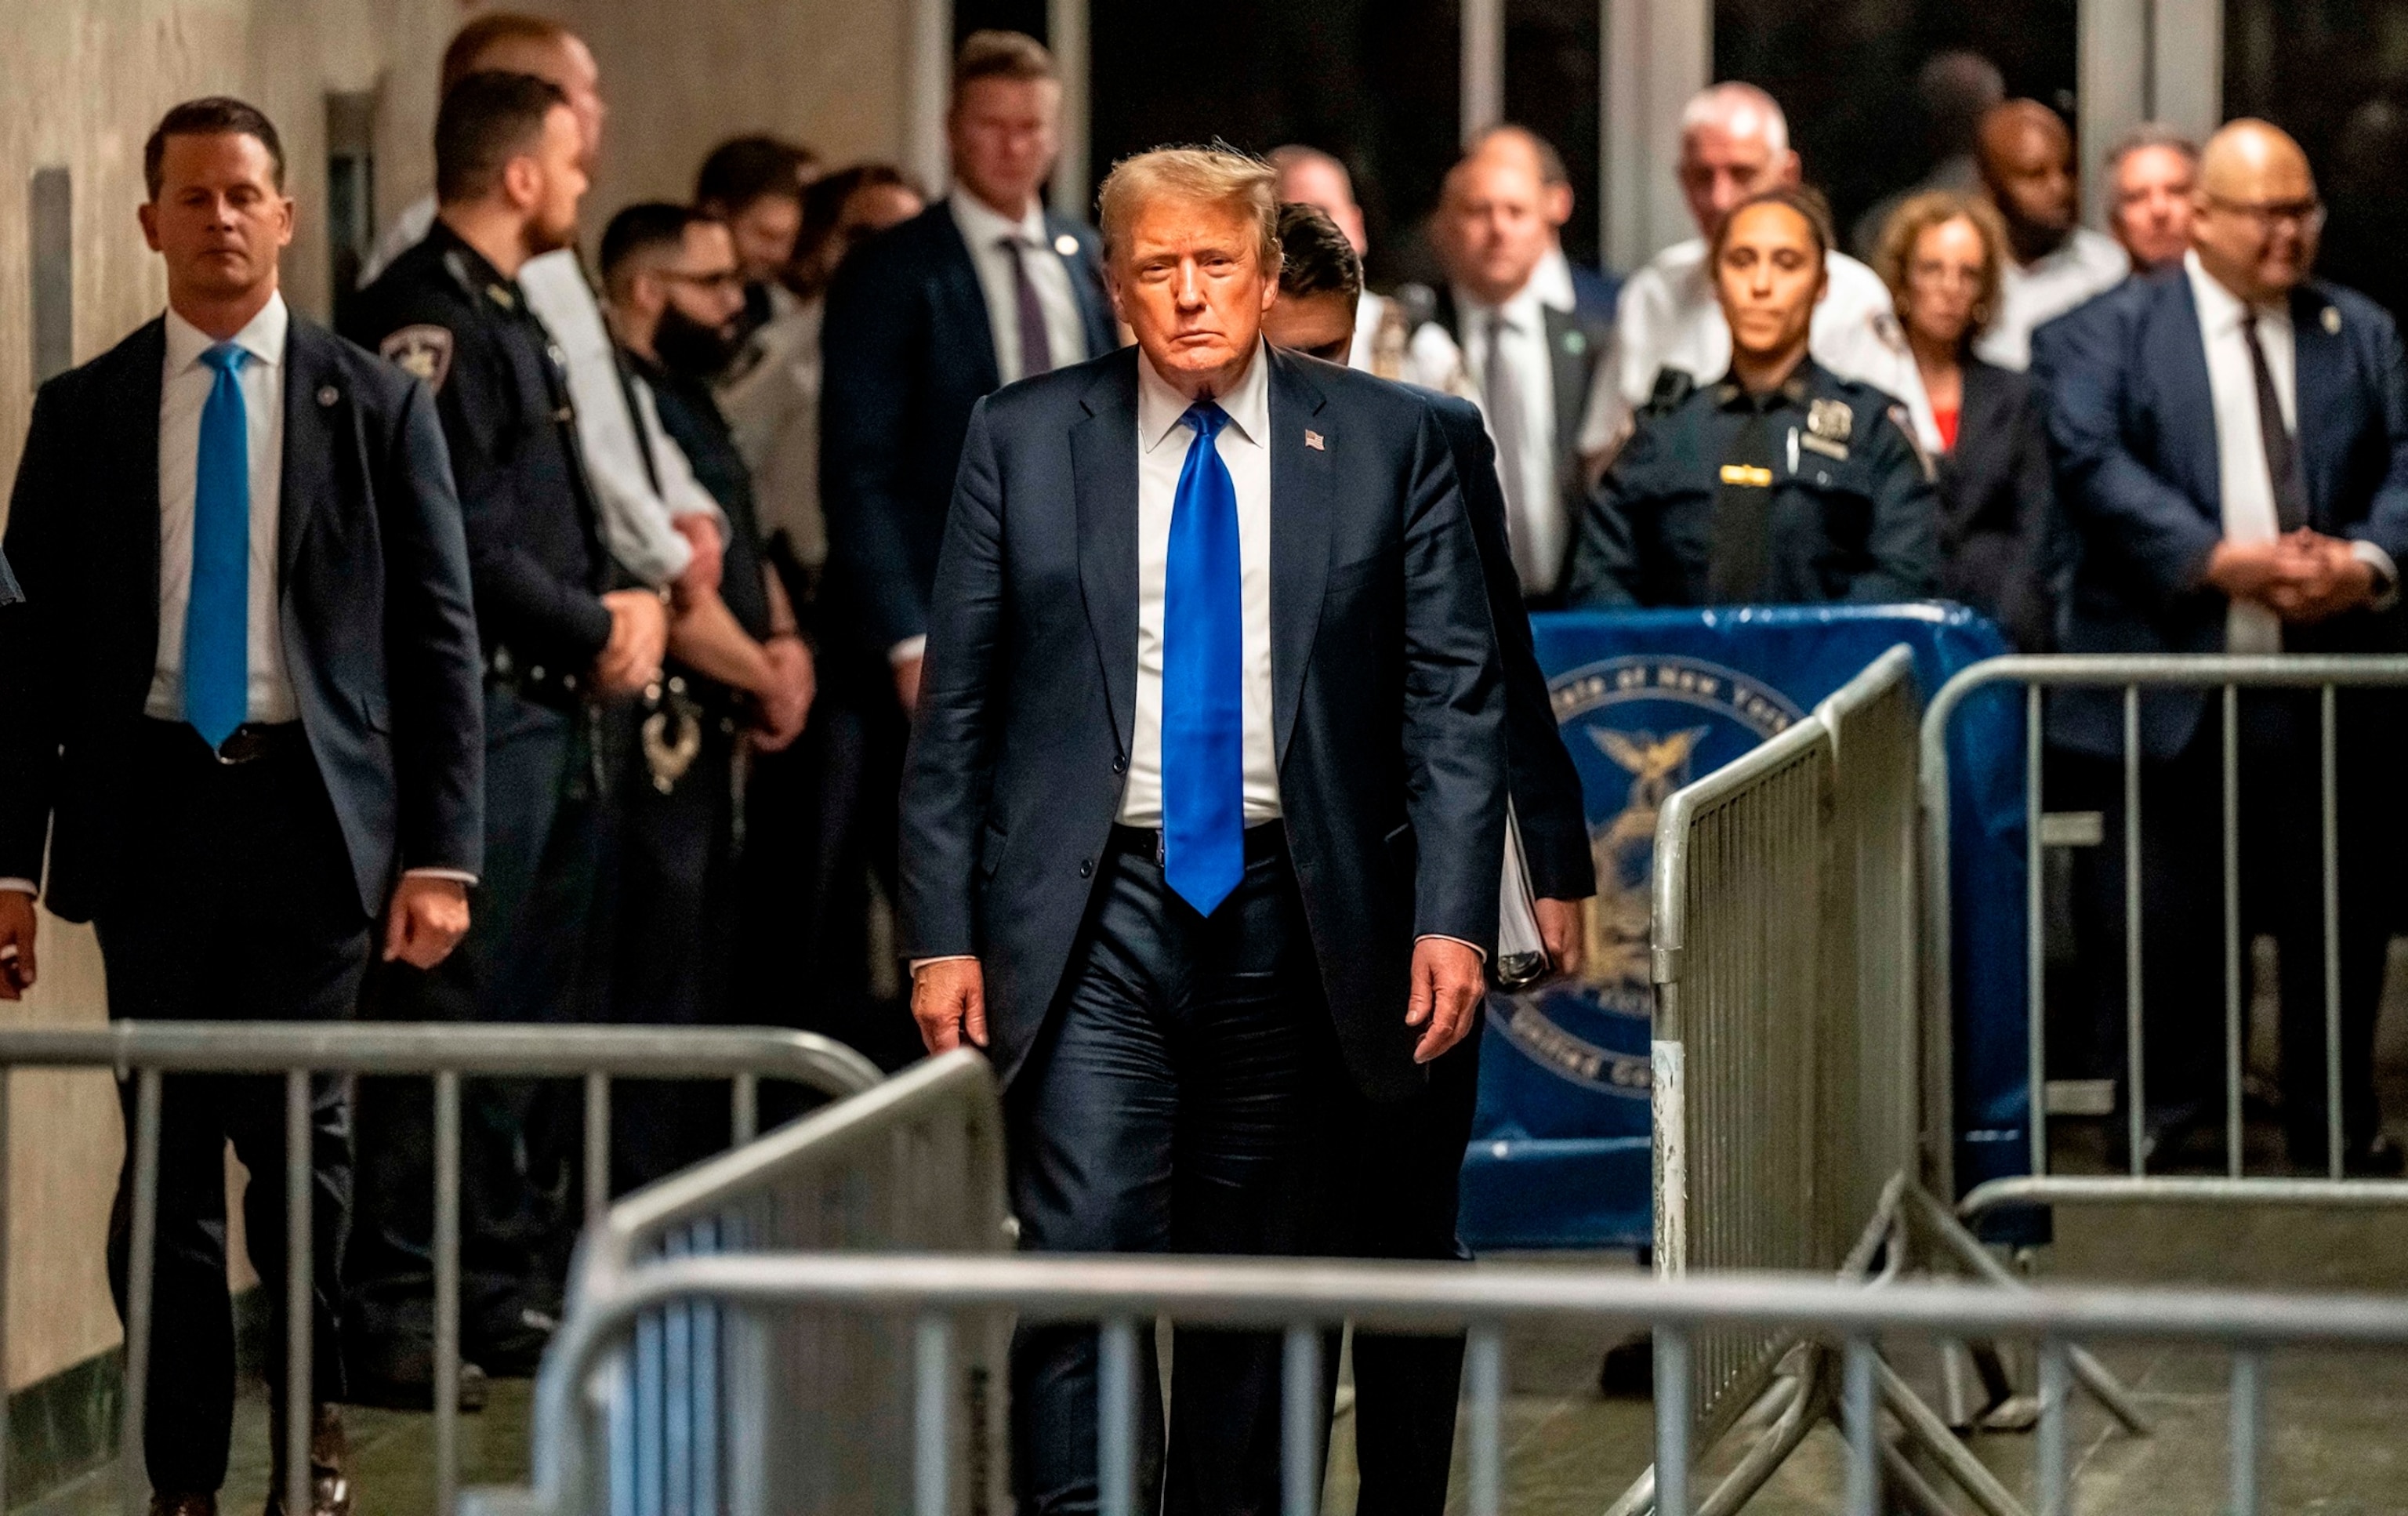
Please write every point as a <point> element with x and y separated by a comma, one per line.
<point>906,351</point>
<point>1387,709</point>
<point>1545,786</point>
<point>379,639</point>
<point>2131,424</point>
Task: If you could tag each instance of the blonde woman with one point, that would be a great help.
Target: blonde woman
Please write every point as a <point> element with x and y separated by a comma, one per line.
<point>1942,255</point>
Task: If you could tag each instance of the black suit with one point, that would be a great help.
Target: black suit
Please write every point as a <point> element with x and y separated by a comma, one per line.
<point>238,890</point>
<point>1996,510</point>
<point>1163,1069</point>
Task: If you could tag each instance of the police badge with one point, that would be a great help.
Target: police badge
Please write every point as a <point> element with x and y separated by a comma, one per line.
<point>1829,424</point>
<point>422,349</point>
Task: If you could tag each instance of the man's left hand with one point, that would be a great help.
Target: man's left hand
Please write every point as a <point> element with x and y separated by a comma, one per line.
<point>1560,929</point>
<point>426,920</point>
<point>2339,579</point>
<point>1448,982</point>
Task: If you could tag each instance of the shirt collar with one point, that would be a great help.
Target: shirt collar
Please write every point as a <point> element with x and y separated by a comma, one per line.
<point>982,226</point>
<point>1521,311</point>
<point>1159,405</point>
<point>262,337</point>
<point>1552,281</point>
<point>2220,308</point>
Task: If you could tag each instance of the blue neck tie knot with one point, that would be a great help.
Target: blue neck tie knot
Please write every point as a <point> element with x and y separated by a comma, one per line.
<point>1207,419</point>
<point>225,357</point>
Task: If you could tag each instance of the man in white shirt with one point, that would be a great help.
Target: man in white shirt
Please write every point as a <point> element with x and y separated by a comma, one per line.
<point>2232,451</point>
<point>243,709</point>
<point>2053,262</point>
<point>1734,143</point>
<point>1529,364</point>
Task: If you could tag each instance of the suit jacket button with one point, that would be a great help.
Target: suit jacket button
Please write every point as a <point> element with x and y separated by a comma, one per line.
<point>1120,766</point>
<point>1086,868</point>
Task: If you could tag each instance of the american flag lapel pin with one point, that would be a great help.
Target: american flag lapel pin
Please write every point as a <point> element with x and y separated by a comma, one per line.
<point>1313,440</point>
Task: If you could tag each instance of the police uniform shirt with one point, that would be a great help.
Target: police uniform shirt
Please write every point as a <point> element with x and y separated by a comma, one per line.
<point>1813,492</point>
<point>447,315</point>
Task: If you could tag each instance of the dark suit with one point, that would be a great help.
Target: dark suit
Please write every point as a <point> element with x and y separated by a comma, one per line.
<point>1996,510</point>
<point>238,890</point>
<point>1576,346</point>
<point>2132,428</point>
<point>1148,1120</point>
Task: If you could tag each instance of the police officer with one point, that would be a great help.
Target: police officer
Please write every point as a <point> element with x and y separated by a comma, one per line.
<point>738,677</point>
<point>556,641</point>
<point>1778,482</point>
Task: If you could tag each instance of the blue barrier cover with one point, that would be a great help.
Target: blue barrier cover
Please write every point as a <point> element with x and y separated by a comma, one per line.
<point>1648,701</point>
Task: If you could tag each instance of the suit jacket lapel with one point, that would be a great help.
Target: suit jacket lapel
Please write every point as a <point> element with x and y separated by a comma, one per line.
<point>138,389</point>
<point>2177,356</point>
<point>2319,396</point>
<point>958,288</point>
<point>1103,469</point>
<point>1096,318</point>
<point>1567,361</point>
<point>311,438</point>
<point>1300,534</point>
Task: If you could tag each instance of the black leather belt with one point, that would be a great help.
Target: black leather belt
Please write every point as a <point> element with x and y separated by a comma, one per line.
<point>563,688</point>
<point>1265,840</point>
<point>247,744</point>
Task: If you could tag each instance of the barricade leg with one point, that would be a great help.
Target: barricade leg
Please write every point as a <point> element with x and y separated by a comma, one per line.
<point>139,1273</point>
<point>300,1280</point>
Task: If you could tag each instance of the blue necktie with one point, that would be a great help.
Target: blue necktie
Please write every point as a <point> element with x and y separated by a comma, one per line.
<point>1203,674</point>
<point>216,614</point>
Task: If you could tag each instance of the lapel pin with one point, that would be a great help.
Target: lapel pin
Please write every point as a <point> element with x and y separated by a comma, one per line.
<point>2333,320</point>
<point>1066,245</point>
<point>1313,440</point>
<point>329,395</point>
<point>1575,344</point>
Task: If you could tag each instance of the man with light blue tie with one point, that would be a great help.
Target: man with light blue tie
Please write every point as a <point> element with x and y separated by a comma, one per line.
<point>244,712</point>
<point>1204,799</point>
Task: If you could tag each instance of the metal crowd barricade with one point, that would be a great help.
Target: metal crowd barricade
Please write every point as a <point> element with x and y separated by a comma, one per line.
<point>931,1293</point>
<point>2229,675</point>
<point>445,1052</point>
<point>915,1164</point>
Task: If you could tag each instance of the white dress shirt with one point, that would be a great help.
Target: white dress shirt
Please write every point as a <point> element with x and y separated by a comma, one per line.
<point>1552,280</point>
<point>1669,318</point>
<point>1541,528</point>
<point>986,230</point>
<point>183,392</point>
<point>636,516</point>
<point>1244,447</point>
<point>2031,293</point>
<point>772,405</point>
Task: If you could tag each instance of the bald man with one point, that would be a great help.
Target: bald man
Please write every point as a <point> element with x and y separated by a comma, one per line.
<point>2232,446</point>
<point>1669,328</point>
<point>2053,262</point>
<point>1309,176</point>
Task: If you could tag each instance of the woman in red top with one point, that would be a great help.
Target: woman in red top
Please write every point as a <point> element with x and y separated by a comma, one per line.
<point>1940,254</point>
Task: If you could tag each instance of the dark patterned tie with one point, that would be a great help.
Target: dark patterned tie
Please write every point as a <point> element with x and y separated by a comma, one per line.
<point>1035,348</point>
<point>2282,451</point>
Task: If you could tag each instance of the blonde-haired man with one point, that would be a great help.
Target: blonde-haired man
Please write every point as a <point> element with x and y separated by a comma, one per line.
<point>1205,792</point>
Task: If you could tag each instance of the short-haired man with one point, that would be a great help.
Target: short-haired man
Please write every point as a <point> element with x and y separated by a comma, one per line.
<point>556,638</point>
<point>1394,1167</point>
<point>2053,261</point>
<point>1669,328</point>
<point>2152,173</point>
<point>1780,482</point>
<point>754,184</point>
<point>1529,364</point>
<point>738,675</point>
<point>1205,796</point>
<point>2231,438</point>
<point>1308,176</point>
<point>241,703</point>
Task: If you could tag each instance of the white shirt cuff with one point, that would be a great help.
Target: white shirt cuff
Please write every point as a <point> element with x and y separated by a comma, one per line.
<point>1441,936</point>
<point>21,886</point>
<point>905,652</point>
<point>919,963</point>
<point>458,876</point>
<point>2386,592</point>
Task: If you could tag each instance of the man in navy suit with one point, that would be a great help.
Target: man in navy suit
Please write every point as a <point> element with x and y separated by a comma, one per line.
<point>2231,444</point>
<point>1205,798</point>
<point>249,724</point>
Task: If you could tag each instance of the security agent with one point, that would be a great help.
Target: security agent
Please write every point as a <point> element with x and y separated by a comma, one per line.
<point>555,641</point>
<point>738,677</point>
<point>1777,483</point>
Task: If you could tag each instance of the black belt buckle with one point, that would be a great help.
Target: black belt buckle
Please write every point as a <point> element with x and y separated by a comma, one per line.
<point>247,743</point>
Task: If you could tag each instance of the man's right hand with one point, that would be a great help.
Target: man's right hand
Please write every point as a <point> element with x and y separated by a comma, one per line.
<point>907,685</point>
<point>2256,570</point>
<point>639,638</point>
<point>949,1001</point>
<point>17,924</point>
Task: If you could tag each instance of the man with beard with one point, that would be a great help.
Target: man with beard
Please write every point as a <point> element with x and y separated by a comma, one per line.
<point>2057,262</point>
<point>558,642</point>
<point>675,294</point>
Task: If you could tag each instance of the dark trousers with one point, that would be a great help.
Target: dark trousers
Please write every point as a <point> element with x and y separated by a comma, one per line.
<point>1394,1169</point>
<point>533,953</point>
<point>1170,1108</point>
<point>676,905</point>
<point>244,909</point>
<point>2281,891</point>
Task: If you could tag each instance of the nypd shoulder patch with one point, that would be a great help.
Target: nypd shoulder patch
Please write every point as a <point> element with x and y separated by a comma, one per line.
<point>422,349</point>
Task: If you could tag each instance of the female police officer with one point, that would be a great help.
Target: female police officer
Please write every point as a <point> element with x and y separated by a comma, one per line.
<point>1778,482</point>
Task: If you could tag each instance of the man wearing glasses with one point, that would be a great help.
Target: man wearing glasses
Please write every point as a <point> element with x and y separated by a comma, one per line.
<point>2231,440</point>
